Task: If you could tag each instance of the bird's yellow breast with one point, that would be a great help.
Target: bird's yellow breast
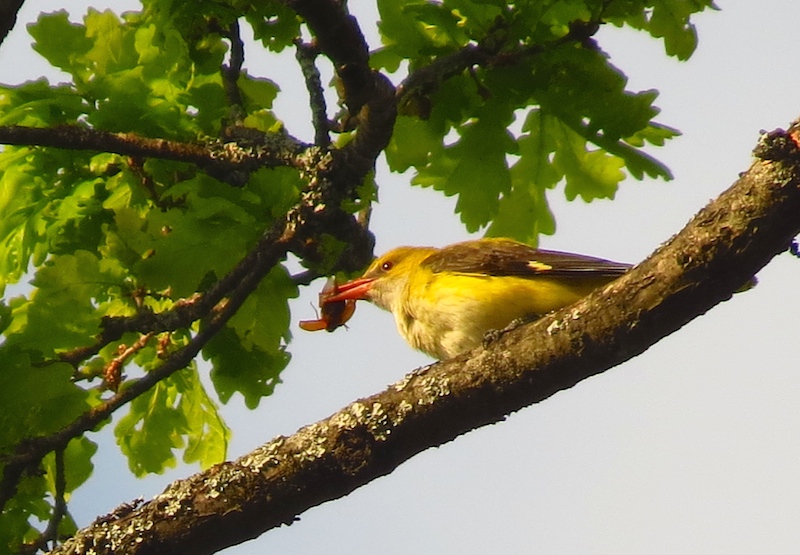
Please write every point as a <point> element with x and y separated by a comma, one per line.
<point>449,313</point>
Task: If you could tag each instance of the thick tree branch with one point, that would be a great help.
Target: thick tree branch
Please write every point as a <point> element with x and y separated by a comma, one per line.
<point>723,246</point>
<point>376,123</point>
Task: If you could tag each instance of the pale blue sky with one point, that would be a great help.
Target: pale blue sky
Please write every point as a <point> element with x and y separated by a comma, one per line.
<point>692,447</point>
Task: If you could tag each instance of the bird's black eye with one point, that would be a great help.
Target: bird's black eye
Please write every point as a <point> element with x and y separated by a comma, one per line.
<point>386,266</point>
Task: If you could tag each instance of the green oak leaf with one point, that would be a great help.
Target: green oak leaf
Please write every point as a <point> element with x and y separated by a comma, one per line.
<point>252,372</point>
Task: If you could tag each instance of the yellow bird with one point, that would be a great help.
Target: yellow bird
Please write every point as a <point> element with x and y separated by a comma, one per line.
<point>445,300</point>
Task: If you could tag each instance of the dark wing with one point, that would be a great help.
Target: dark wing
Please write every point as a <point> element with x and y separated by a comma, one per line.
<point>504,257</point>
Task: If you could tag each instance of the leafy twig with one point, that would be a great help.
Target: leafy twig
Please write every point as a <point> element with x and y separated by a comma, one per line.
<point>272,248</point>
<point>112,373</point>
<point>136,165</point>
<point>424,80</point>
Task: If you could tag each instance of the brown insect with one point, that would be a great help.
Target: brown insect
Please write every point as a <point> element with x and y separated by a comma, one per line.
<point>332,313</point>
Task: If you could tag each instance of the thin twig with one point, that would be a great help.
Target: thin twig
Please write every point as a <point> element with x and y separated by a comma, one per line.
<point>230,75</point>
<point>60,507</point>
<point>306,55</point>
<point>50,534</point>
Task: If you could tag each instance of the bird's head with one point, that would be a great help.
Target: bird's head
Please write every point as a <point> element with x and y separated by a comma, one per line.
<point>386,278</point>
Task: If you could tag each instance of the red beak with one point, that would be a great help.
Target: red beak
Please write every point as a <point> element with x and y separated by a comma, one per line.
<point>355,290</point>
